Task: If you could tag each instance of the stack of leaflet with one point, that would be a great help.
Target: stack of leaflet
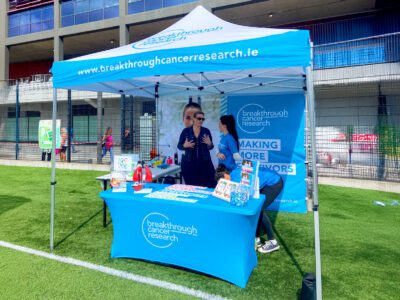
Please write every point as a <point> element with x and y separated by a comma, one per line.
<point>249,176</point>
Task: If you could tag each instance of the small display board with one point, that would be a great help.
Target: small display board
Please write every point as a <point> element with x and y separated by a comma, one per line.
<point>46,134</point>
<point>122,170</point>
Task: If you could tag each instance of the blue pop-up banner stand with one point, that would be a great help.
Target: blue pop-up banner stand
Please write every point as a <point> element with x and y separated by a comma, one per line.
<point>271,130</point>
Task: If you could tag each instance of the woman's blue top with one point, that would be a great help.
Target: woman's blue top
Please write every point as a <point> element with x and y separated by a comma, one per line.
<point>267,177</point>
<point>227,146</point>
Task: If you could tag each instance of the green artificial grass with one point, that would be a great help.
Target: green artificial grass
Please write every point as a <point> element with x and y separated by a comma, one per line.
<point>360,244</point>
<point>32,277</point>
<point>359,241</point>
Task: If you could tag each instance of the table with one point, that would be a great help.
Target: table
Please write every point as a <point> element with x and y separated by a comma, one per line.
<point>157,173</point>
<point>208,236</point>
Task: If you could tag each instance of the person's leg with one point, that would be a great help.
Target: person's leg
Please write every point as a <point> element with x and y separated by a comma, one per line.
<point>270,195</point>
<point>264,223</point>
<point>111,155</point>
<point>43,155</point>
<point>103,151</point>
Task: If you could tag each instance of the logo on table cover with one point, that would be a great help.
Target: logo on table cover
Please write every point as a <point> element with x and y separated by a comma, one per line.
<point>160,232</point>
<point>171,36</point>
<point>253,118</point>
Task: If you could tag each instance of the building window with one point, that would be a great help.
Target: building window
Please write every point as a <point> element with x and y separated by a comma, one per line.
<point>76,12</point>
<point>138,6</point>
<point>28,125</point>
<point>30,21</point>
<point>84,123</point>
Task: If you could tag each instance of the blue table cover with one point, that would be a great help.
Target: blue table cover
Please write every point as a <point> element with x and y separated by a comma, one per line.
<point>208,236</point>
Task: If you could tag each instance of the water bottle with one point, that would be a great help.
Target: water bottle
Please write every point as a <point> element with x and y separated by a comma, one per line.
<point>234,194</point>
<point>176,158</point>
<point>379,203</point>
<point>243,195</point>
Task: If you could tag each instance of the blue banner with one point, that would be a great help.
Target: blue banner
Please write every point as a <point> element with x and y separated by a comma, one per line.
<point>266,52</point>
<point>271,130</point>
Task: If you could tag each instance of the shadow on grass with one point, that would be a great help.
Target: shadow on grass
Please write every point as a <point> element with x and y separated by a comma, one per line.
<point>8,202</point>
<point>77,228</point>
<point>273,215</point>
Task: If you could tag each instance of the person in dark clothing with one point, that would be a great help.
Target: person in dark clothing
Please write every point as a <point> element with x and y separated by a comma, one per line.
<point>196,141</point>
<point>127,139</point>
<point>46,152</point>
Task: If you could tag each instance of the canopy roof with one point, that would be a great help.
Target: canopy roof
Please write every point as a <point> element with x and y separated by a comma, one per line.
<point>200,52</point>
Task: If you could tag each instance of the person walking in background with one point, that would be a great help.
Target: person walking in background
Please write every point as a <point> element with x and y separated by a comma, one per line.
<point>46,152</point>
<point>127,139</point>
<point>64,144</point>
<point>196,141</point>
<point>107,143</point>
<point>71,130</point>
<point>228,147</point>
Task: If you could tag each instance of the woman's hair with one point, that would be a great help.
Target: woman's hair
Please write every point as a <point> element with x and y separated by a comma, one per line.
<point>220,172</point>
<point>198,113</point>
<point>190,105</point>
<point>229,122</point>
<point>108,131</point>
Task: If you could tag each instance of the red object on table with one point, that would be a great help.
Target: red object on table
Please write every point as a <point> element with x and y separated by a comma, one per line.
<point>138,174</point>
<point>149,176</point>
<point>137,186</point>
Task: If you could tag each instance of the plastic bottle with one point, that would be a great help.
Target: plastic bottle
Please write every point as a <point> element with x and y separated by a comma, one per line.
<point>379,203</point>
<point>148,176</point>
<point>138,174</point>
<point>176,158</point>
<point>243,195</point>
<point>234,195</point>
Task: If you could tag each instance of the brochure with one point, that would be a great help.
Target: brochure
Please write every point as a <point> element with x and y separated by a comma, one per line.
<point>223,189</point>
<point>249,175</point>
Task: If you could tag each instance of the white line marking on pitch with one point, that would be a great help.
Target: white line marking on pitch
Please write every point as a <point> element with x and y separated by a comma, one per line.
<point>137,278</point>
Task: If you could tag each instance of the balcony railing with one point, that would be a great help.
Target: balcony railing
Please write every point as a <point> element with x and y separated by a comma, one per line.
<point>364,51</point>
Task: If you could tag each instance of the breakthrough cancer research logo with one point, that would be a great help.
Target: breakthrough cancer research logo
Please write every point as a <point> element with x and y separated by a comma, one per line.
<point>159,231</point>
<point>171,36</point>
<point>253,118</point>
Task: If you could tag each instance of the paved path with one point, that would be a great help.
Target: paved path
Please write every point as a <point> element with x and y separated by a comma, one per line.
<point>59,165</point>
<point>384,186</point>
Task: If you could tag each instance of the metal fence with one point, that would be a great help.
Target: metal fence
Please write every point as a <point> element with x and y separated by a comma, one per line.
<point>357,52</point>
<point>133,130</point>
<point>358,120</point>
<point>357,134</point>
<point>358,131</point>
